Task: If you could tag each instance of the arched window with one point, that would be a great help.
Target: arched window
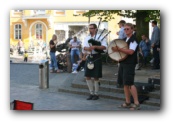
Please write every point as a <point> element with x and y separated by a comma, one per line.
<point>17,32</point>
<point>39,31</point>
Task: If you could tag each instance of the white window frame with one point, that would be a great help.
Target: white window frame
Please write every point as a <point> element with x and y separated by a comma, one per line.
<point>40,12</point>
<point>18,11</point>
<point>18,31</point>
<point>39,31</point>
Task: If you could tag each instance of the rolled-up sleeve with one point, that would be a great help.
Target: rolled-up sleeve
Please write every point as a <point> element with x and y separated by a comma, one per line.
<point>104,43</point>
<point>133,45</point>
<point>85,44</point>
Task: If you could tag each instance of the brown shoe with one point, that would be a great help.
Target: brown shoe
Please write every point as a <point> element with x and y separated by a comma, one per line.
<point>125,105</point>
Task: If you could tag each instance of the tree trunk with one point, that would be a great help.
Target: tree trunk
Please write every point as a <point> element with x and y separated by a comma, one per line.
<point>142,27</point>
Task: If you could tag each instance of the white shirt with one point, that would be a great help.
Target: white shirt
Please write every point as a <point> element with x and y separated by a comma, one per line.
<point>133,45</point>
<point>121,34</point>
<point>85,43</point>
<point>74,44</point>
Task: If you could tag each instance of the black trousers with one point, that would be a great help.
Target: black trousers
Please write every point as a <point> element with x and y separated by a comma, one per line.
<point>156,57</point>
<point>82,64</point>
<point>25,59</point>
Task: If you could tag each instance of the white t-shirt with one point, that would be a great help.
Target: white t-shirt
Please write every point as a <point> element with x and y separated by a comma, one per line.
<point>133,45</point>
<point>85,43</point>
<point>74,44</point>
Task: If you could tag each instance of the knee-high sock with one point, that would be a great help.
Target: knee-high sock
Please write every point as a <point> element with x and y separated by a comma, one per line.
<point>96,85</point>
<point>90,86</point>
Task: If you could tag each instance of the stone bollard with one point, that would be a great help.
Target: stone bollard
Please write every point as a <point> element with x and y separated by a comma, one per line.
<point>69,63</point>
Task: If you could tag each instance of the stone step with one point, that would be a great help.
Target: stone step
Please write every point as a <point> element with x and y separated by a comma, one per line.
<point>153,102</point>
<point>107,81</point>
<point>114,82</point>
<point>107,95</point>
<point>155,94</point>
<point>157,87</point>
<point>113,89</point>
<point>110,81</point>
<point>104,81</point>
<point>106,88</point>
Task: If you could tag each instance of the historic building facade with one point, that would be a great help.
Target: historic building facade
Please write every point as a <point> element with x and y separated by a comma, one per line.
<point>32,26</point>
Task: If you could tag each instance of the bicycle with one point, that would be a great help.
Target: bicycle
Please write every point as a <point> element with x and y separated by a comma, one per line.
<point>107,60</point>
<point>62,61</point>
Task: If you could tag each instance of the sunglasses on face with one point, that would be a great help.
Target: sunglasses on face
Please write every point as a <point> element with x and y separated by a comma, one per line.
<point>91,28</point>
<point>126,28</point>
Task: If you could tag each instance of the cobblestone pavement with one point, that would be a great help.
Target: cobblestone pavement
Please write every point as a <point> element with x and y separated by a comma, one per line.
<point>24,86</point>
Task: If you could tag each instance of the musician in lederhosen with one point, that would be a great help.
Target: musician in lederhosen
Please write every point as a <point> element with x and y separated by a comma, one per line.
<point>95,58</point>
<point>126,72</point>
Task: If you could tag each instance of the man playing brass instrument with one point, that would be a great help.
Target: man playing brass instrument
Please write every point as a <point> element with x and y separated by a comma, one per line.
<point>95,57</point>
<point>126,70</point>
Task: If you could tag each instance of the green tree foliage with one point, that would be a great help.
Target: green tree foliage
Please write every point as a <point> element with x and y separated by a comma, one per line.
<point>142,18</point>
<point>107,14</point>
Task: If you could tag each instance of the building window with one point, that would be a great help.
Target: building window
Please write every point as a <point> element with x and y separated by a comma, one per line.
<point>39,12</point>
<point>39,31</point>
<point>59,12</point>
<point>18,30</point>
<point>60,35</point>
<point>16,11</point>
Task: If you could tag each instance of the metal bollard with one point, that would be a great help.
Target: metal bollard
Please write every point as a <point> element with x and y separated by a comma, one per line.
<point>44,74</point>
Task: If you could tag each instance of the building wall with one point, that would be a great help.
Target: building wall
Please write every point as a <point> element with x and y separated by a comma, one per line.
<point>50,20</point>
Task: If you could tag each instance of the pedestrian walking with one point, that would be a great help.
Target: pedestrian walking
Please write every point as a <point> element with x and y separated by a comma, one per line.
<point>25,56</point>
